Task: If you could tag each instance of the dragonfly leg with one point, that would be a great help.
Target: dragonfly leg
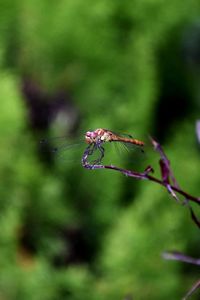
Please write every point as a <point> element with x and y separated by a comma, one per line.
<point>91,148</point>
<point>88,151</point>
<point>101,150</point>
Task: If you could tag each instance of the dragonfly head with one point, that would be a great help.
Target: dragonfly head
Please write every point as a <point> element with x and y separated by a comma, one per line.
<point>90,137</point>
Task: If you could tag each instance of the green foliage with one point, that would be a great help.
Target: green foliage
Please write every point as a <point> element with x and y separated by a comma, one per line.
<point>108,55</point>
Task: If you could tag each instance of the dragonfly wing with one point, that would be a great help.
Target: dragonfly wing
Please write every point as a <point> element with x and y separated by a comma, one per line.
<point>131,148</point>
<point>122,134</point>
<point>61,147</point>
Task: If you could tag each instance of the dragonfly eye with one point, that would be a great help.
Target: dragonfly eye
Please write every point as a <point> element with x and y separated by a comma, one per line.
<point>88,134</point>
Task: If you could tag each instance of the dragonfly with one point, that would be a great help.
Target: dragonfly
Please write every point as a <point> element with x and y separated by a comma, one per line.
<point>100,136</point>
<point>95,140</point>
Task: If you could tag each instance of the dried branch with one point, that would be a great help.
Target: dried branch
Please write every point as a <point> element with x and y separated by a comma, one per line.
<point>167,178</point>
<point>169,182</point>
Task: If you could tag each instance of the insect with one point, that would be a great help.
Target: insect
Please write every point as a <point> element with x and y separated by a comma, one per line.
<point>99,136</point>
<point>95,140</point>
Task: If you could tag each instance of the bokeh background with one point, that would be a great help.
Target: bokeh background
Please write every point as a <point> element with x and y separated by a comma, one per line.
<point>70,66</point>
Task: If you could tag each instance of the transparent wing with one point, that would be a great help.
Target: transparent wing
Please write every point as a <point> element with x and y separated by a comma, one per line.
<point>63,147</point>
<point>130,149</point>
<point>58,144</point>
<point>122,134</point>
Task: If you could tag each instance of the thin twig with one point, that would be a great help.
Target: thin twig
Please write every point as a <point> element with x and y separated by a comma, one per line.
<point>168,181</point>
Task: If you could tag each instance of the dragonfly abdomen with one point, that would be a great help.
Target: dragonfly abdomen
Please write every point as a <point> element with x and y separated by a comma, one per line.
<point>127,140</point>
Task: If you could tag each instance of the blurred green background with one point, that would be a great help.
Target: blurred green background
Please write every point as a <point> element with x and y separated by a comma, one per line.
<point>70,66</point>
